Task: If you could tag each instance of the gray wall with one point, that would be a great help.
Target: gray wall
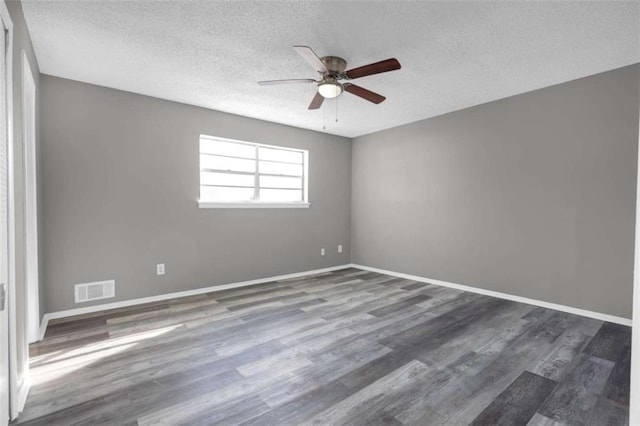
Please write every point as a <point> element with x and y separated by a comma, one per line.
<point>533,195</point>
<point>120,184</point>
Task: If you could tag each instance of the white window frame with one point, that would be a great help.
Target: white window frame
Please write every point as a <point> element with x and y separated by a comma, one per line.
<point>253,204</point>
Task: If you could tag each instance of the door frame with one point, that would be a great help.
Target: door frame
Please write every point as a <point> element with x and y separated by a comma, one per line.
<point>14,391</point>
<point>7,24</point>
<point>31,261</point>
<point>634,400</point>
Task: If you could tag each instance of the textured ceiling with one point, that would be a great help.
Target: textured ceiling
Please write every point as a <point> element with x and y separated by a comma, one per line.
<point>211,53</point>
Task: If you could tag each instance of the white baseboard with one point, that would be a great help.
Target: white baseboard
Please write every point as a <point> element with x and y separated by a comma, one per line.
<point>555,306</point>
<point>168,296</point>
<point>43,327</point>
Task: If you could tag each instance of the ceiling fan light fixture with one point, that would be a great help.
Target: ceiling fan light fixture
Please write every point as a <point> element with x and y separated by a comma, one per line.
<point>332,71</point>
<point>330,89</point>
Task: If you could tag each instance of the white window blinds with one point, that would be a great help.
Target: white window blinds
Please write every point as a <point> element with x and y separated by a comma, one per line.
<point>243,172</point>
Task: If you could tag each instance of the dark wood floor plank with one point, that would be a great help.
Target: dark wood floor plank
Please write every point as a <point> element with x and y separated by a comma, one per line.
<point>304,406</point>
<point>269,311</point>
<point>350,409</point>
<point>607,412</point>
<point>73,327</point>
<point>572,400</point>
<point>376,369</point>
<point>617,388</point>
<point>417,314</point>
<point>607,342</point>
<point>325,329</point>
<point>253,302</point>
<point>235,295</point>
<point>231,414</point>
<point>394,307</point>
<point>540,420</point>
<point>556,363</point>
<point>455,321</point>
<point>53,346</point>
<point>415,286</point>
<point>518,403</point>
<point>325,370</point>
<point>139,399</point>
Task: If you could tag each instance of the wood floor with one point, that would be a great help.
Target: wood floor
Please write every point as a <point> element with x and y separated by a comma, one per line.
<point>347,347</point>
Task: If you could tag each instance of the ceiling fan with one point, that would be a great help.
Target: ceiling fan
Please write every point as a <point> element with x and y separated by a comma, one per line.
<point>332,72</point>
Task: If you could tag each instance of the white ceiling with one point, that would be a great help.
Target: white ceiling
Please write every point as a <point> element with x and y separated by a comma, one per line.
<point>211,53</point>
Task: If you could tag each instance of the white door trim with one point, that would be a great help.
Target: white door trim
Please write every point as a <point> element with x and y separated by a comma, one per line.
<point>17,391</point>
<point>7,23</point>
<point>634,401</point>
<point>32,297</point>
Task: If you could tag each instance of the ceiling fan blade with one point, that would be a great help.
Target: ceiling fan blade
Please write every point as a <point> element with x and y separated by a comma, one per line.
<point>317,101</point>
<point>375,68</point>
<point>310,56</point>
<point>290,81</point>
<point>363,93</point>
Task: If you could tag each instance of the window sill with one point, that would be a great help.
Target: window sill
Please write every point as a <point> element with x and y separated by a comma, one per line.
<point>251,205</point>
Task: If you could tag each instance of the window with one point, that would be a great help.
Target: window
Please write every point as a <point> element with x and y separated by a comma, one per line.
<point>243,174</point>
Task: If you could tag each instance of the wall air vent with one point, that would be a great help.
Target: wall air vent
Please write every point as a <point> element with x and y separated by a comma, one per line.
<point>94,291</point>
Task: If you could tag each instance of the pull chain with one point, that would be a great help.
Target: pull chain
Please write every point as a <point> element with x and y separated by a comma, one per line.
<point>337,109</point>
<point>324,119</point>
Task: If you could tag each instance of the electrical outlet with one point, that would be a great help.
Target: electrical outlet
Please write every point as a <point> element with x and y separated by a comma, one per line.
<point>339,248</point>
<point>321,252</point>
<point>160,269</point>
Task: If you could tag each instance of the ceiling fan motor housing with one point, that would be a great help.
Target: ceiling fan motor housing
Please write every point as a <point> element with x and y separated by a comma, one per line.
<point>335,65</point>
